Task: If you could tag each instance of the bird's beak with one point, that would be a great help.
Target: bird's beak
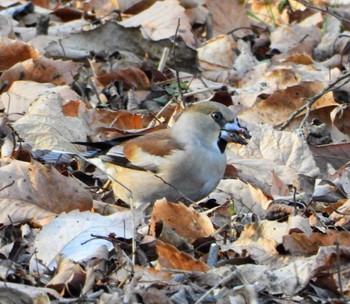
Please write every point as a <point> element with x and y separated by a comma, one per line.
<point>234,132</point>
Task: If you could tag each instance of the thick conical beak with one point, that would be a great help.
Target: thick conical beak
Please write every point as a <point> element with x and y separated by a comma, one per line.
<point>234,132</point>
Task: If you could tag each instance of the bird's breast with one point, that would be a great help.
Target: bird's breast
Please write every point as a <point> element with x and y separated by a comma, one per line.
<point>197,172</point>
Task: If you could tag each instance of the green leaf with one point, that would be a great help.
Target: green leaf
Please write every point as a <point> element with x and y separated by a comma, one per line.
<point>282,5</point>
<point>162,100</point>
<point>233,210</point>
<point>170,90</point>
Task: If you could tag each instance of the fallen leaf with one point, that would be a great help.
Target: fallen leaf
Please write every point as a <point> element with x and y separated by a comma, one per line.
<point>32,191</point>
<point>160,21</point>
<point>42,70</point>
<point>73,238</point>
<point>170,257</point>
<point>46,127</point>
<point>184,220</point>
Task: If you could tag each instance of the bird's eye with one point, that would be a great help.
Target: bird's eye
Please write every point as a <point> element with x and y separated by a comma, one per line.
<point>217,116</point>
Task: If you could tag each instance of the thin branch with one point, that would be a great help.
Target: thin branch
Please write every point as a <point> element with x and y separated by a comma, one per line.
<point>307,114</point>
<point>223,282</point>
<point>326,10</point>
<point>310,101</point>
<point>174,58</point>
<point>163,59</point>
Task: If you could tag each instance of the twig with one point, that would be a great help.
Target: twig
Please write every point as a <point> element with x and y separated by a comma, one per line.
<point>156,118</point>
<point>204,90</point>
<point>223,281</point>
<point>174,58</point>
<point>312,100</point>
<point>170,80</point>
<point>163,59</point>
<point>133,227</point>
<point>306,116</point>
<point>240,28</point>
<point>324,10</point>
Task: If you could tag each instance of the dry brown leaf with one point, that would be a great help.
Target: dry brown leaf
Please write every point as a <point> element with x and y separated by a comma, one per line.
<point>151,274</point>
<point>44,3</point>
<point>161,20</point>
<point>74,108</point>
<point>101,8</point>
<point>46,127</point>
<point>341,216</point>
<point>108,124</point>
<point>298,57</point>
<point>17,210</point>
<point>120,120</point>
<point>14,51</point>
<point>261,239</point>
<point>278,188</point>
<point>134,7</point>
<point>294,277</point>
<point>260,244</point>
<point>337,155</point>
<point>217,53</point>
<point>246,197</point>
<point>264,81</point>
<point>228,15</point>
<point>69,279</point>
<point>171,258</point>
<point>263,231</point>
<point>286,38</point>
<point>67,14</point>
<point>168,235</point>
<point>22,93</point>
<point>277,108</point>
<point>184,220</point>
<point>301,244</point>
<point>284,152</point>
<point>131,77</point>
<point>42,70</point>
<point>33,184</point>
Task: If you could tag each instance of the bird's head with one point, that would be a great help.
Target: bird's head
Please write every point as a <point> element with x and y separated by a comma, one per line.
<point>219,120</point>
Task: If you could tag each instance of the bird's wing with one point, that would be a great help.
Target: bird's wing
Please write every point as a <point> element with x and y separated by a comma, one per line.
<point>147,152</point>
<point>108,144</point>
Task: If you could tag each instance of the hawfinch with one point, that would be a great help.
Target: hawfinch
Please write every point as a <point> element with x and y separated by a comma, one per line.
<point>185,162</point>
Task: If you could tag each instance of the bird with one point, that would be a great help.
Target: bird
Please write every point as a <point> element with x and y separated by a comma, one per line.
<point>183,163</point>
